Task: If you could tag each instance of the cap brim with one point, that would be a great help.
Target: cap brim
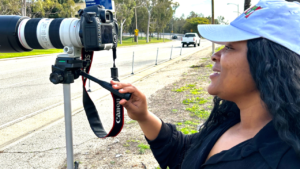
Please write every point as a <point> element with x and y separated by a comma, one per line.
<point>224,33</point>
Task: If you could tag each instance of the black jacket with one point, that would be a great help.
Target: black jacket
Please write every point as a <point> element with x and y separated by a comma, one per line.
<point>264,151</point>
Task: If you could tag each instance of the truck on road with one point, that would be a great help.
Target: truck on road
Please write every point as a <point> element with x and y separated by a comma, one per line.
<point>190,39</point>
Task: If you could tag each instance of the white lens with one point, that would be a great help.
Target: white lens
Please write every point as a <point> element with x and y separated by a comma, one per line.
<point>69,32</point>
<point>21,34</point>
<point>43,33</point>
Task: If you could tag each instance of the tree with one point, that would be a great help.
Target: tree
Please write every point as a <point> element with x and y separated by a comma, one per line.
<point>148,4</point>
<point>10,7</point>
<point>54,8</point>
<point>210,20</point>
<point>124,13</point>
<point>247,4</point>
<point>221,20</point>
<point>162,13</point>
<point>195,15</point>
<point>191,24</point>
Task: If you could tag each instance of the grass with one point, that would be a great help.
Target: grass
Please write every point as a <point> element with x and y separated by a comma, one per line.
<point>195,100</point>
<point>143,147</point>
<point>188,127</point>
<point>127,41</point>
<point>130,122</point>
<point>31,53</point>
<point>184,88</point>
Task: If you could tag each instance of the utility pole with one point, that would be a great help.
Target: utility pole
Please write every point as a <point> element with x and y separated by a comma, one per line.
<point>213,21</point>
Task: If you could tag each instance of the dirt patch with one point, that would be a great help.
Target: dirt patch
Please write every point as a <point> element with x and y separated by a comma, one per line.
<point>185,103</point>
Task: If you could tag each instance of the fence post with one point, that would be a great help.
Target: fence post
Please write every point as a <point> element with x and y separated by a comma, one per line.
<point>181,50</point>
<point>156,57</point>
<point>132,63</point>
<point>171,53</point>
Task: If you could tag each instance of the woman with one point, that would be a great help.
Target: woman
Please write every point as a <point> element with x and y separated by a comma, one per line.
<point>255,122</point>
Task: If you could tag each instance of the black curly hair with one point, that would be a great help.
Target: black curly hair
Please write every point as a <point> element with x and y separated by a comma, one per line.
<point>276,72</point>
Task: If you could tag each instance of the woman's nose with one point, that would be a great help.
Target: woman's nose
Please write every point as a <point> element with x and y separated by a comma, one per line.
<point>215,57</point>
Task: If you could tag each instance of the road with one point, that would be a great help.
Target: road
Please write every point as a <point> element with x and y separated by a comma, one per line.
<point>26,90</point>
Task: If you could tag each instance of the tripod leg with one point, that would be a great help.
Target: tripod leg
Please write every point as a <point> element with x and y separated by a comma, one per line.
<point>68,125</point>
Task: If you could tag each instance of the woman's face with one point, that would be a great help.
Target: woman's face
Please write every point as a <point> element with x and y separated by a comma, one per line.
<point>233,79</point>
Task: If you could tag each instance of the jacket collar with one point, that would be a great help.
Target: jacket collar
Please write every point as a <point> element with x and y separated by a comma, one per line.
<point>270,146</point>
<point>266,142</point>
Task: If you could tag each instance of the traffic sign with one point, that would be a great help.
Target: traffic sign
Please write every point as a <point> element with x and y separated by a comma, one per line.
<point>106,3</point>
<point>191,30</point>
<point>172,31</point>
<point>136,32</point>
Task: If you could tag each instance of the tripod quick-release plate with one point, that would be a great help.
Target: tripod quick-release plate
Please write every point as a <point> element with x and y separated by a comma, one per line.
<point>65,70</point>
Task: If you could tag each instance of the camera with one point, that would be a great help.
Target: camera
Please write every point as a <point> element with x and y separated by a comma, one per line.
<point>96,30</point>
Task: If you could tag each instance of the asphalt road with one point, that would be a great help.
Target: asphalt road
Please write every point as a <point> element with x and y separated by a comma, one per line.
<point>25,87</point>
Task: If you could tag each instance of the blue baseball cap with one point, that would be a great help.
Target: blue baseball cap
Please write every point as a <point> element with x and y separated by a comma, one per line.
<point>276,20</point>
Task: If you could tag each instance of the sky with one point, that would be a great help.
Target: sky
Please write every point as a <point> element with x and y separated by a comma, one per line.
<point>204,7</point>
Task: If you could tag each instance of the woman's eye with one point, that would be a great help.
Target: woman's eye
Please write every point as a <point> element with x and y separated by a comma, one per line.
<point>227,48</point>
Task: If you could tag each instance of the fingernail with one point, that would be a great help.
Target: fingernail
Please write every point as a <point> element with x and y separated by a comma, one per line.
<point>121,90</point>
<point>116,85</point>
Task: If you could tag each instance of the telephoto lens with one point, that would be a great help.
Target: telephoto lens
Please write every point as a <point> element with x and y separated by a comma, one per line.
<point>19,34</point>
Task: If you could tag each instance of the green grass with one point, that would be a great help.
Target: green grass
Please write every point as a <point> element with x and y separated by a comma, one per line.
<point>31,53</point>
<point>188,127</point>
<point>127,41</point>
<point>143,147</point>
<point>174,110</point>
<point>195,100</point>
<point>184,88</point>
<point>130,122</point>
<point>196,110</point>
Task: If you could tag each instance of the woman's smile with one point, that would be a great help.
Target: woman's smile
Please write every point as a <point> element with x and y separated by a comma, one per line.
<point>215,74</point>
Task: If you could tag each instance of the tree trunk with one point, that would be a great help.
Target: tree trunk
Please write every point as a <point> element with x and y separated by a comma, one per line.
<point>23,9</point>
<point>121,32</point>
<point>148,27</point>
<point>247,4</point>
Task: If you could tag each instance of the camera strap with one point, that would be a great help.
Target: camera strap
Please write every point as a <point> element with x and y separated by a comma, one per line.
<point>90,108</point>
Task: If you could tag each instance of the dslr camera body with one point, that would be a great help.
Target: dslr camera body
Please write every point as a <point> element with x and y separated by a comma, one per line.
<point>99,29</point>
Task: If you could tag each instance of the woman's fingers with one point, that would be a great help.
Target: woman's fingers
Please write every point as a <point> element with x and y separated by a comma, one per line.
<point>130,89</point>
<point>119,85</point>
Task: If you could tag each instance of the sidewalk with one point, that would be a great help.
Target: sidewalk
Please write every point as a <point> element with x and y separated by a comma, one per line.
<point>45,148</point>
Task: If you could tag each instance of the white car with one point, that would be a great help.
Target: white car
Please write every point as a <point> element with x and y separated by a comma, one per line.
<point>190,39</point>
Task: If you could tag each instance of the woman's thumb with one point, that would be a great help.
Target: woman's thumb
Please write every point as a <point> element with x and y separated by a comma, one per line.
<point>126,104</point>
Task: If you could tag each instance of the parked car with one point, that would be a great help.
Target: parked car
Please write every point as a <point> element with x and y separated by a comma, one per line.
<point>174,37</point>
<point>190,39</point>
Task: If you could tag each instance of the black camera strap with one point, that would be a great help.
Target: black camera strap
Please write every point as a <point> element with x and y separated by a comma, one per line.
<point>90,108</point>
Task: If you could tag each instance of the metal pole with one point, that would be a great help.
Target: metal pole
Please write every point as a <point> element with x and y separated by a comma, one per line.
<point>89,86</point>
<point>164,34</point>
<point>238,10</point>
<point>156,57</point>
<point>171,53</point>
<point>68,125</point>
<point>181,50</point>
<point>132,63</point>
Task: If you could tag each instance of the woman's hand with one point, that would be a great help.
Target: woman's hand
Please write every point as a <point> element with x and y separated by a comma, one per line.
<point>137,105</point>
